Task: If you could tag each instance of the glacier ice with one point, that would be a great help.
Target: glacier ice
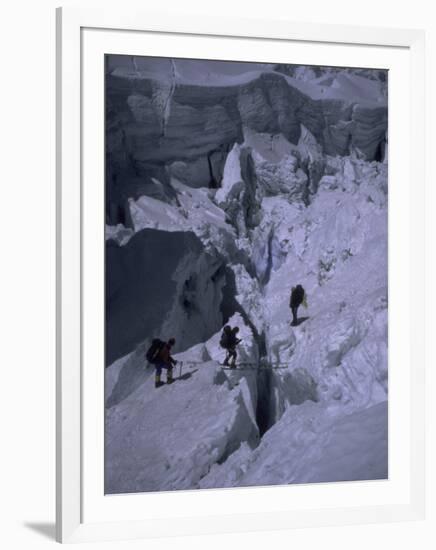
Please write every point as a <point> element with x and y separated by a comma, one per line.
<point>291,188</point>
<point>177,118</point>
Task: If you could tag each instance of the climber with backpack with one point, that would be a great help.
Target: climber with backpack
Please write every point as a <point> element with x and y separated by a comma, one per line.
<point>298,297</point>
<point>159,355</point>
<point>229,341</point>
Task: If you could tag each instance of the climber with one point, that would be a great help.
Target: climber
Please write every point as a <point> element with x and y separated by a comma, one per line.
<point>229,341</point>
<point>164,361</point>
<point>298,297</point>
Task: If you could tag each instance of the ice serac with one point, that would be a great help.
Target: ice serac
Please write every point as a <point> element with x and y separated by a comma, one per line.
<point>161,282</point>
<point>166,119</point>
<point>239,195</point>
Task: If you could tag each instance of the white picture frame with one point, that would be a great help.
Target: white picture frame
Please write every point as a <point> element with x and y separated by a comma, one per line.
<point>81,516</point>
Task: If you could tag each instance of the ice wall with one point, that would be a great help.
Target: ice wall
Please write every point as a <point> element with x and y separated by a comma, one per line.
<point>161,282</point>
<point>175,118</point>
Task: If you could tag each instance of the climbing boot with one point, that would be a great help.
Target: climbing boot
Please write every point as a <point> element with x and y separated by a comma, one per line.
<point>170,378</point>
<point>157,381</point>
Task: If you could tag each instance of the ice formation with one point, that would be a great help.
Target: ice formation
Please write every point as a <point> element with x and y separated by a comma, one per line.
<point>227,187</point>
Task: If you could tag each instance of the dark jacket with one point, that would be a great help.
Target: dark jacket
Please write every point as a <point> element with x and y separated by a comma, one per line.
<point>233,340</point>
<point>165,355</point>
<point>297,296</point>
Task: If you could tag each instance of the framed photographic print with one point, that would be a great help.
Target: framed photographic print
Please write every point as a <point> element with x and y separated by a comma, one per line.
<point>240,226</point>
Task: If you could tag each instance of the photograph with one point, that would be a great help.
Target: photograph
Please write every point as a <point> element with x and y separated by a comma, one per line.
<point>246,274</point>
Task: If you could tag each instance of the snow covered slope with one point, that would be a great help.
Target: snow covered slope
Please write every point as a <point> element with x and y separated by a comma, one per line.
<point>171,440</point>
<point>307,403</point>
<point>309,447</point>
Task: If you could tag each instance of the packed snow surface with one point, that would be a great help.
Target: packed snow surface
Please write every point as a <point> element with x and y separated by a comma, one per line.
<point>307,403</point>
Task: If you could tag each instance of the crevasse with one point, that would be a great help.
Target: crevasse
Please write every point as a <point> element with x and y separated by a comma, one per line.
<point>304,397</point>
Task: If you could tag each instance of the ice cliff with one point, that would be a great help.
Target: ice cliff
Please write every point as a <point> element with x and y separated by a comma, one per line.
<point>181,118</point>
<point>161,282</point>
<point>227,187</point>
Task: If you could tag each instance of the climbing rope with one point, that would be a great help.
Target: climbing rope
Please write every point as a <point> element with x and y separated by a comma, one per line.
<point>245,365</point>
<point>240,367</point>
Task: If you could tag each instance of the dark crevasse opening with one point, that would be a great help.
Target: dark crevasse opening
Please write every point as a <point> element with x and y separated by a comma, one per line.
<point>380,151</point>
<point>229,304</point>
<point>276,387</point>
<point>265,407</point>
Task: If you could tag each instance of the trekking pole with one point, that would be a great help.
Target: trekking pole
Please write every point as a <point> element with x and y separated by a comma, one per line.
<point>180,372</point>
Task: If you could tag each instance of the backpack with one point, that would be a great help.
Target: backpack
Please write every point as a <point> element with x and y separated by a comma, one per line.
<point>297,296</point>
<point>153,351</point>
<point>225,340</point>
